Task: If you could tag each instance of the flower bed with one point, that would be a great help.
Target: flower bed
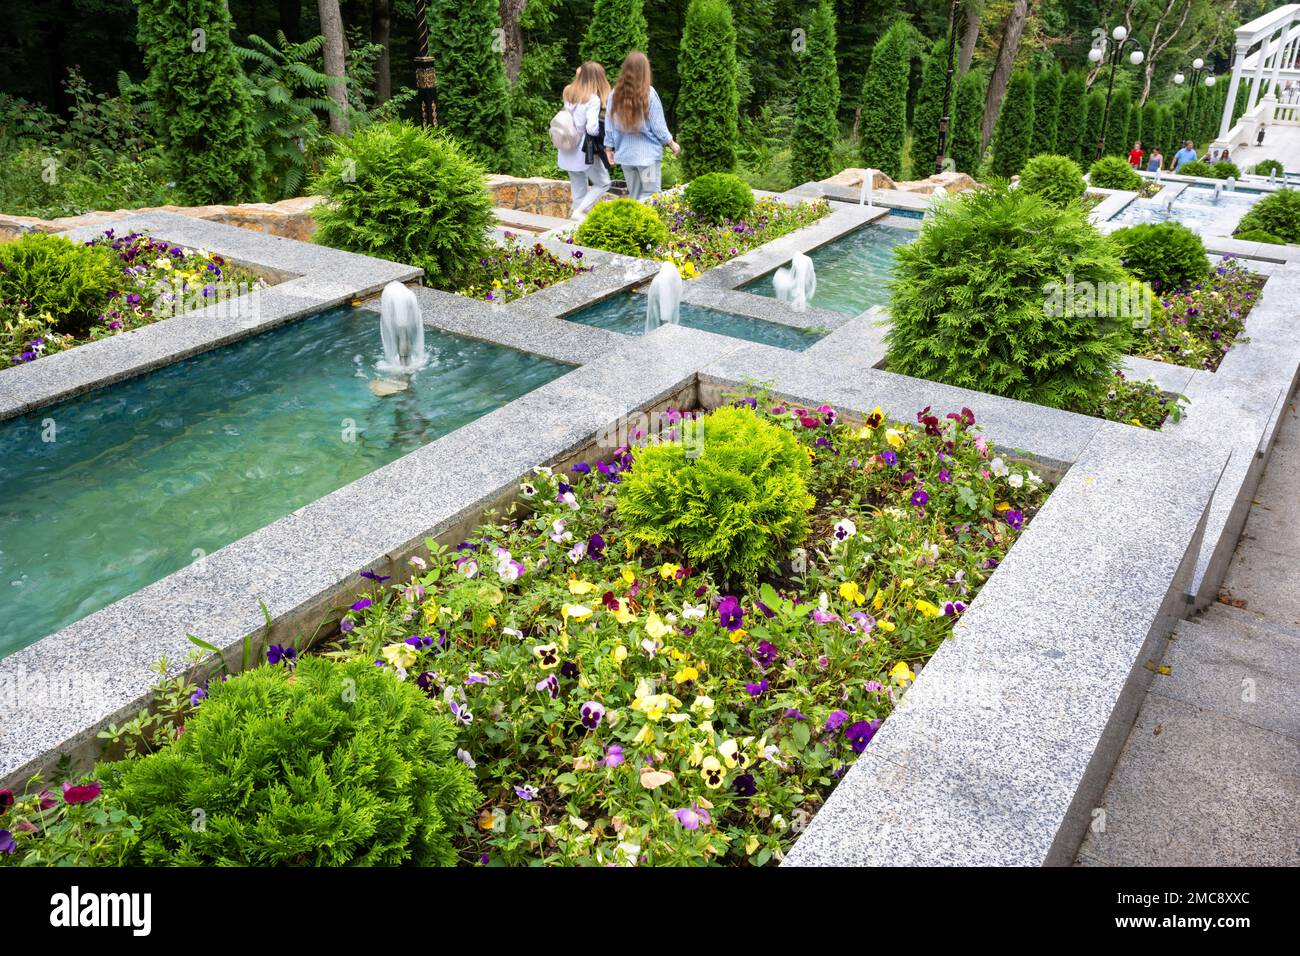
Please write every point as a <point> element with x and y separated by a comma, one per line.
<point>1197,326</point>
<point>159,281</point>
<point>513,270</point>
<point>618,706</point>
<point>696,246</point>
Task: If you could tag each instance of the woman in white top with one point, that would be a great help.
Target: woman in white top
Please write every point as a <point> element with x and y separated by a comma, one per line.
<point>588,180</point>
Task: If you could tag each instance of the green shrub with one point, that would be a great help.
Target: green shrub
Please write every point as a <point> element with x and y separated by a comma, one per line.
<point>473,96</point>
<point>1224,169</point>
<point>736,509</point>
<point>1266,166</point>
<point>883,127</point>
<point>1047,107</point>
<point>817,125</point>
<point>68,281</point>
<point>1072,112</point>
<point>929,109</point>
<point>716,197</point>
<point>408,194</point>
<point>1058,179</point>
<point>1095,109</point>
<point>966,115</point>
<point>327,764</point>
<point>1117,138</point>
<point>707,99</point>
<point>616,28</point>
<point>1277,214</point>
<point>624,226</point>
<point>1166,254</point>
<point>1197,167</point>
<point>1014,134</point>
<point>970,301</point>
<point>1114,172</point>
<point>1259,235</point>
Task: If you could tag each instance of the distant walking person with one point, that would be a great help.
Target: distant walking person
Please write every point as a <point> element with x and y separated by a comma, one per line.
<point>579,140</point>
<point>635,132</point>
<point>1135,155</point>
<point>1185,155</point>
<point>1156,162</point>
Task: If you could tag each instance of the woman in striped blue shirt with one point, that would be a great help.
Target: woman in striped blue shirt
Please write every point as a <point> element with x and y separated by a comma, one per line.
<point>635,130</point>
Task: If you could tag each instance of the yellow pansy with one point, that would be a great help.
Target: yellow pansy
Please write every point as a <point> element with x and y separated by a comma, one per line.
<point>878,601</point>
<point>687,673</point>
<point>902,674</point>
<point>733,755</point>
<point>908,582</point>
<point>400,655</point>
<point>654,706</point>
<point>751,845</point>
<point>619,654</point>
<point>1003,505</point>
<point>623,615</point>
<point>581,587</point>
<point>430,610</point>
<point>669,571</point>
<point>738,635</point>
<point>645,735</point>
<point>849,591</point>
<point>579,612</point>
<point>894,437</point>
<point>703,704</point>
<point>656,628</point>
<point>928,609</point>
<point>676,654</point>
<point>696,756</point>
<point>886,626</point>
<point>712,772</point>
<point>548,655</point>
<point>628,576</point>
<point>490,622</point>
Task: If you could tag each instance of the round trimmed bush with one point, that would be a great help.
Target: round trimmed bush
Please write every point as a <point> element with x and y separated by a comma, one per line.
<point>1166,254</point>
<point>409,194</point>
<point>1197,167</point>
<point>1259,235</point>
<point>1058,179</point>
<point>327,764</point>
<point>1266,166</point>
<point>1277,214</point>
<point>1224,169</point>
<point>971,301</point>
<point>717,197</point>
<point>624,226</point>
<point>68,281</point>
<point>737,508</point>
<point>1114,172</point>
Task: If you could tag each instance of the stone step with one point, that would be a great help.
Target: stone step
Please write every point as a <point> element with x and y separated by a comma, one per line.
<point>1226,615</point>
<point>516,220</point>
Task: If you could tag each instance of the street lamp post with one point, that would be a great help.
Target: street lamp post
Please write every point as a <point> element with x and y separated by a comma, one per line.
<point>945,119</point>
<point>426,79</point>
<point>1197,66</point>
<point>1096,55</point>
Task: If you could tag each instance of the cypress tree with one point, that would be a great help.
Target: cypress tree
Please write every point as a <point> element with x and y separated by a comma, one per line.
<point>1121,104</point>
<point>1151,127</point>
<point>1073,117</point>
<point>473,98</point>
<point>200,98</point>
<point>1013,136</point>
<point>817,126</point>
<point>1092,129</point>
<point>929,110</point>
<point>968,109</point>
<point>1047,106</point>
<point>884,102</point>
<point>617,28</point>
<point>707,101</point>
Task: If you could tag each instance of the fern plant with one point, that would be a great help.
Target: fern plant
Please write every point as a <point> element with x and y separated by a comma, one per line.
<point>736,509</point>
<point>328,764</point>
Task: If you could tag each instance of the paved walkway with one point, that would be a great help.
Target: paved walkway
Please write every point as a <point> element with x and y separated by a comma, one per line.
<point>1280,142</point>
<point>1211,772</point>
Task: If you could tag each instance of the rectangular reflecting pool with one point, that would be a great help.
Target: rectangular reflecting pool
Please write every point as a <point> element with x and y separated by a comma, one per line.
<point>853,272</point>
<point>626,313</point>
<point>1195,207</point>
<point>106,493</point>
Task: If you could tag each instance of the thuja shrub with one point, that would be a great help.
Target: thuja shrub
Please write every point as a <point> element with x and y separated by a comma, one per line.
<point>1058,179</point>
<point>972,301</point>
<point>735,509</point>
<point>716,197</point>
<point>1197,167</point>
<point>1266,167</point>
<point>883,126</point>
<point>473,96</point>
<point>405,193</point>
<point>1224,169</point>
<point>1276,215</point>
<point>1013,136</point>
<point>624,226</point>
<point>52,276</point>
<point>1166,254</point>
<point>1114,172</point>
<point>707,98</point>
<point>817,125</point>
<point>325,764</point>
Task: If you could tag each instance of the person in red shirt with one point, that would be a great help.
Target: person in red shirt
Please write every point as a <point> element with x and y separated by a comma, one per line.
<point>1135,155</point>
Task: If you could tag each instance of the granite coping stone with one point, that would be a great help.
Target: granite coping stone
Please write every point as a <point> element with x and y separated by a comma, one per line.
<point>1012,728</point>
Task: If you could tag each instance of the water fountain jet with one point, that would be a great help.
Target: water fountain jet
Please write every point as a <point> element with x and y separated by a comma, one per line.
<point>797,283</point>
<point>868,188</point>
<point>401,330</point>
<point>663,301</point>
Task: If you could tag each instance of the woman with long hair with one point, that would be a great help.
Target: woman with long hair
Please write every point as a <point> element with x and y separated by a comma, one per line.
<point>584,101</point>
<point>636,132</point>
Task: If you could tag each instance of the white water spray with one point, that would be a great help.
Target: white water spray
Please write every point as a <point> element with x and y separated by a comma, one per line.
<point>663,302</point>
<point>797,283</point>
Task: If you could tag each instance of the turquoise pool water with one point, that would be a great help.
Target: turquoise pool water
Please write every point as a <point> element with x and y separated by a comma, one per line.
<point>626,313</point>
<point>1195,207</point>
<point>852,272</point>
<point>147,475</point>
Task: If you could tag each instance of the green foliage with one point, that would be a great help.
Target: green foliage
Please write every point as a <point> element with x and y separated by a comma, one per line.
<point>707,98</point>
<point>1266,166</point>
<point>970,301</point>
<point>1014,134</point>
<point>884,102</point>
<point>473,98</point>
<point>1114,172</point>
<point>1117,138</point>
<point>616,28</point>
<point>1224,169</point>
<point>736,509</point>
<point>1166,254</point>
<point>1072,131</point>
<point>201,100</point>
<point>327,764</point>
<point>1197,167</point>
<point>408,194</point>
<point>964,147</point>
<point>1047,105</point>
<point>1096,107</point>
<point>1058,179</point>
<point>717,197</point>
<point>1277,214</point>
<point>1258,235</point>
<point>817,125</point>
<point>929,109</point>
<point>68,281</point>
<point>624,226</point>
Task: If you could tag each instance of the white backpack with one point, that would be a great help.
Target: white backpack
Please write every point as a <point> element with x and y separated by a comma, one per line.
<point>564,133</point>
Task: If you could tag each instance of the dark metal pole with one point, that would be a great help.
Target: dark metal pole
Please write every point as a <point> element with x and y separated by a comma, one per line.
<point>1187,109</point>
<point>426,79</point>
<point>1110,86</point>
<point>945,119</point>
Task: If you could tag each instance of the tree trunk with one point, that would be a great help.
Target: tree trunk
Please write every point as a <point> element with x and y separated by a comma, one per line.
<point>331,26</point>
<point>970,35</point>
<point>1013,28</point>
<point>290,18</point>
<point>379,31</point>
<point>510,11</point>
